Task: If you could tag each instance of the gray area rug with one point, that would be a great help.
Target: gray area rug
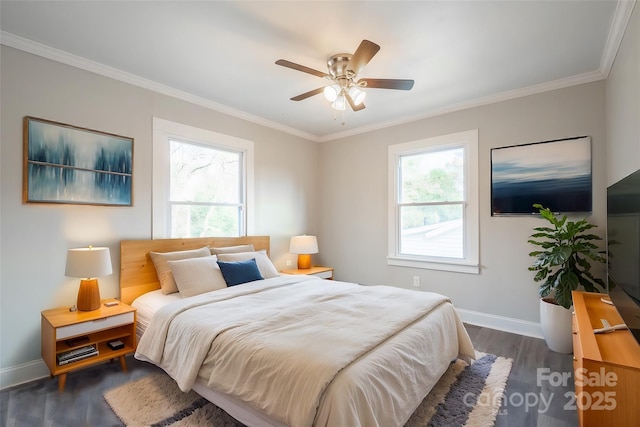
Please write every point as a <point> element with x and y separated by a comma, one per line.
<point>466,395</point>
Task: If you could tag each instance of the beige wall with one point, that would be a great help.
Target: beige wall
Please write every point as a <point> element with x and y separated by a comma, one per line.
<point>337,190</point>
<point>353,201</point>
<point>623,105</point>
<point>34,237</point>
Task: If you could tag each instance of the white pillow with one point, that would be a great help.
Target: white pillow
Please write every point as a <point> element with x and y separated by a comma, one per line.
<point>197,275</point>
<point>265,266</point>
<point>167,283</point>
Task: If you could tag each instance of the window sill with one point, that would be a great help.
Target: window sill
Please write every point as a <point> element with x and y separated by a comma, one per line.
<point>455,267</point>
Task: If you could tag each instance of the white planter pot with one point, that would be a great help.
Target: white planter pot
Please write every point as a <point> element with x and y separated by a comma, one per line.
<point>556,327</point>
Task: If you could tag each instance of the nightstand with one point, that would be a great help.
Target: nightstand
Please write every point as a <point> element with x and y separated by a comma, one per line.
<point>111,331</point>
<point>322,272</point>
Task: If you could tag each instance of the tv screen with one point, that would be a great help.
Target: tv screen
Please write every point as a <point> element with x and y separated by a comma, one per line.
<point>556,174</point>
<point>623,242</point>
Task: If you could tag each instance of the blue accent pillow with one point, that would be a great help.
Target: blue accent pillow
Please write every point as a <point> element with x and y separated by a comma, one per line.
<point>238,272</point>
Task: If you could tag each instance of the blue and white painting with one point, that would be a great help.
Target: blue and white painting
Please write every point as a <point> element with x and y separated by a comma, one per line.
<point>556,174</point>
<point>66,164</point>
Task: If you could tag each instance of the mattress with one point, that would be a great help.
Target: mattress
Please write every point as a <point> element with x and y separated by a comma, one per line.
<point>382,386</point>
<point>146,306</point>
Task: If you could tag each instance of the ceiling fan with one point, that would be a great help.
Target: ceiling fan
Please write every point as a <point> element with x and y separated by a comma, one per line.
<point>343,70</point>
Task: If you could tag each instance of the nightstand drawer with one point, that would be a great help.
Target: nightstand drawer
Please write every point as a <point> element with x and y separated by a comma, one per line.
<point>316,271</point>
<point>94,325</point>
<point>324,274</point>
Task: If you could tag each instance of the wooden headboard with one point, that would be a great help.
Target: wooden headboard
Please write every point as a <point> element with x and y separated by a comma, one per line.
<point>137,272</point>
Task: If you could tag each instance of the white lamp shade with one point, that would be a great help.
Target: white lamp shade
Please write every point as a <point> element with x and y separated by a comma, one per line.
<point>303,245</point>
<point>357,95</point>
<point>88,262</point>
<point>339,104</point>
<point>331,92</point>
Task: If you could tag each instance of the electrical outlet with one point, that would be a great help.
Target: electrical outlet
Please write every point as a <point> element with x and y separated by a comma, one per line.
<point>416,281</point>
<point>289,263</point>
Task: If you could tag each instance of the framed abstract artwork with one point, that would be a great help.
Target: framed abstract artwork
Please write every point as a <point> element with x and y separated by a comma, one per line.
<point>556,174</point>
<point>69,164</point>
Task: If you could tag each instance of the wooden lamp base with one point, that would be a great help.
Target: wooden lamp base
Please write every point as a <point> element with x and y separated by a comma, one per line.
<point>88,295</point>
<point>304,261</point>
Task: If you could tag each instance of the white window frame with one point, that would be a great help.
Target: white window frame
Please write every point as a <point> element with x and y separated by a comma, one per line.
<point>163,132</point>
<point>470,263</point>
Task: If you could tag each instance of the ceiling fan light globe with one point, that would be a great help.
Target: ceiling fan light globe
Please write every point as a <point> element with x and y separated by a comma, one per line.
<point>339,104</point>
<point>357,95</point>
<point>331,92</point>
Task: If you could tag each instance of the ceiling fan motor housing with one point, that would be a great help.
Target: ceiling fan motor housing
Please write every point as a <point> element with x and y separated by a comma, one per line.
<point>337,66</point>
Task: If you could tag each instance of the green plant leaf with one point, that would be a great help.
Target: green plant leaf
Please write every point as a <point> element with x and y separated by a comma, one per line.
<point>545,289</point>
<point>587,285</point>
<point>563,297</point>
<point>559,255</point>
<point>563,262</point>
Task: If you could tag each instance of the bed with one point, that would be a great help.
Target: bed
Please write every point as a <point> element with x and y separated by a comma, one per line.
<point>290,350</point>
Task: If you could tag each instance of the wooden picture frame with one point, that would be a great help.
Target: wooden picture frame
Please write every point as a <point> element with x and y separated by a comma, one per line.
<point>68,164</point>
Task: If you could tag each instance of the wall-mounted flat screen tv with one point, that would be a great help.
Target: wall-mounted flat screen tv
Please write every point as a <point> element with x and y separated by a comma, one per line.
<point>556,174</point>
<point>623,243</point>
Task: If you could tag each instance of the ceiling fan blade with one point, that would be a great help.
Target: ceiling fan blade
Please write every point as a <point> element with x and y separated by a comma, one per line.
<point>398,84</point>
<point>354,107</point>
<point>362,56</point>
<point>299,67</point>
<point>308,94</point>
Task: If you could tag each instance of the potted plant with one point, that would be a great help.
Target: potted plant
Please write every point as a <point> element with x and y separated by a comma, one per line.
<point>563,264</point>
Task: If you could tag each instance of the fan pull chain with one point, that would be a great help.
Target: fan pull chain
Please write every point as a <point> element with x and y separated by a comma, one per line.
<point>335,114</point>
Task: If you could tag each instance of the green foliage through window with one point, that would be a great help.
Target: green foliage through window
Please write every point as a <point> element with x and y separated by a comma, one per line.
<point>206,192</point>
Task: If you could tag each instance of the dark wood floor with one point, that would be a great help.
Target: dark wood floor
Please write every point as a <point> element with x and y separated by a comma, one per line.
<point>38,403</point>
<point>526,403</point>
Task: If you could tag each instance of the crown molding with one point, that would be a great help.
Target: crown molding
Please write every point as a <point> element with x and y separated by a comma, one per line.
<point>478,102</point>
<point>621,17</point>
<point>622,14</point>
<point>39,49</point>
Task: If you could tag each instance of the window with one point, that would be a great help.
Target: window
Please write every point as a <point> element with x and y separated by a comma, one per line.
<point>433,203</point>
<point>202,182</point>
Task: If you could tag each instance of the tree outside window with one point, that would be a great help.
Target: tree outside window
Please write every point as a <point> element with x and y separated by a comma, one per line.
<point>205,190</point>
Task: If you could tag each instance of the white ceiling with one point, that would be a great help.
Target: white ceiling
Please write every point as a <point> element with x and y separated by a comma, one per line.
<point>221,54</point>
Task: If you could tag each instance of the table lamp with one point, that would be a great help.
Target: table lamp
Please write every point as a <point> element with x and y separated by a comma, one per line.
<point>88,264</point>
<point>304,246</point>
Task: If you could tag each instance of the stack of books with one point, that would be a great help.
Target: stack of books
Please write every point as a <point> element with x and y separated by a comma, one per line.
<point>76,354</point>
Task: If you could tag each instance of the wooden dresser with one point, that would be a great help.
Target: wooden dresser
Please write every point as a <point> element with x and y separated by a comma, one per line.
<point>606,366</point>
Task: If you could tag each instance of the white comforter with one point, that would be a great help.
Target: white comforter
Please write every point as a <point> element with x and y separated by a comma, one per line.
<point>278,344</point>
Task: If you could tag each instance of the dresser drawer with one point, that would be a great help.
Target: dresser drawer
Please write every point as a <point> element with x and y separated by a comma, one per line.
<point>93,325</point>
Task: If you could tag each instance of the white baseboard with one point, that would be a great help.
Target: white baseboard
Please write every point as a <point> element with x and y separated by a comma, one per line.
<point>23,373</point>
<point>501,323</point>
